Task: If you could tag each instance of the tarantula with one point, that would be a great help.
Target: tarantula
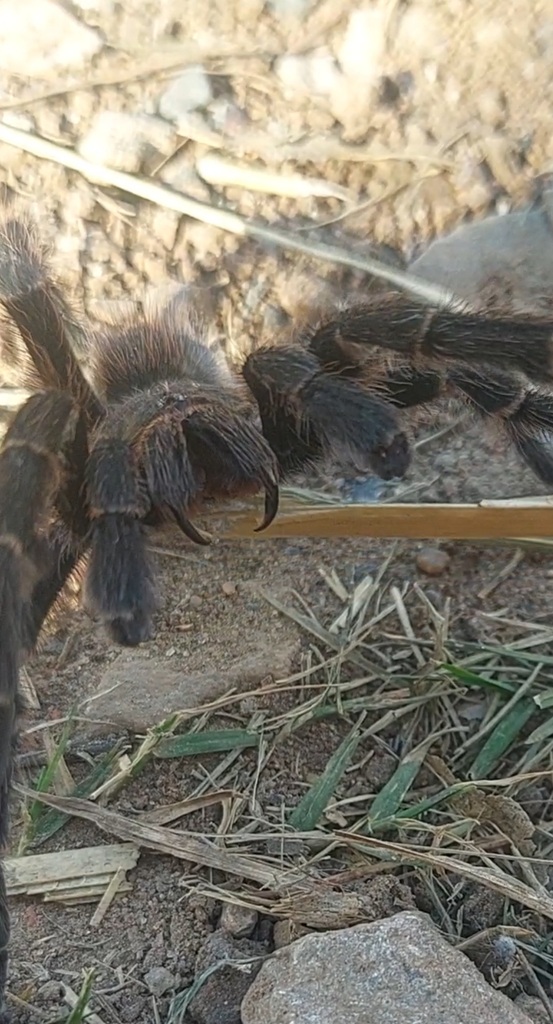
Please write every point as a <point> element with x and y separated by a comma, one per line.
<point>162,423</point>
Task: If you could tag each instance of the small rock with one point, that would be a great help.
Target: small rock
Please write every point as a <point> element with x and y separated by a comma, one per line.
<point>390,972</point>
<point>159,980</point>
<point>50,992</point>
<point>136,691</point>
<point>433,561</point>
<point>228,588</point>
<point>190,91</point>
<point>238,921</point>
<point>218,1000</point>
<point>40,36</point>
<point>126,141</point>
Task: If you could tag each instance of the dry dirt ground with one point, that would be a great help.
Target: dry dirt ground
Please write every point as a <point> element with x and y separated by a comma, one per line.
<point>449,105</point>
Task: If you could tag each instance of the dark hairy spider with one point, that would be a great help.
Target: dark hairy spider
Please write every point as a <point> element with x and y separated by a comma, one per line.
<point>161,423</point>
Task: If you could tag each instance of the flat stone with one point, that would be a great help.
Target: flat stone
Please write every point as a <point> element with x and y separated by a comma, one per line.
<point>136,692</point>
<point>39,37</point>
<point>505,260</point>
<point>399,970</point>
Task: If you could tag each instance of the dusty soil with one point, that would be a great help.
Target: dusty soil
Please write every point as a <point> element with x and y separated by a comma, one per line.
<point>466,92</point>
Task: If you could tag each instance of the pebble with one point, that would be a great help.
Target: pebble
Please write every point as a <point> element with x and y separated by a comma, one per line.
<point>228,588</point>
<point>392,971</point>
<point>159,980</point>
<point>190,91</point>
<point>433,561</point>
<point>39,37</point>
<point>126,141</point>
<point>238,921</point>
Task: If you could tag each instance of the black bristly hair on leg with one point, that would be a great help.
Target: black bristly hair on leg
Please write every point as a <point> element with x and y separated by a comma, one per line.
<point>119,585</point>
<point>30,476</point>
<point>501,396</point>
<point>36,306</point>
<point>306,411</point>
<point>398,323</point>
<point>505,399</point>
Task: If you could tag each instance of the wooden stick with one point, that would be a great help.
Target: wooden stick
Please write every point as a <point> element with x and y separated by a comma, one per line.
<point>218,216</point>
<point>417,522</point>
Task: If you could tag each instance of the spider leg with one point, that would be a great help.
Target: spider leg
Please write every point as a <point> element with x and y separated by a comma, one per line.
<point>30,475</point>
<point>35,304</point>
<point>522,410</point>
<point>397,323</point>
<point>119,583</point>
<point>306,411</point>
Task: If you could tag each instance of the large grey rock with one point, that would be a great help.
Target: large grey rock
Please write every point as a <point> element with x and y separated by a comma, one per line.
<point>396,971</point>
<point>39,37</point>
<point>505,260</point>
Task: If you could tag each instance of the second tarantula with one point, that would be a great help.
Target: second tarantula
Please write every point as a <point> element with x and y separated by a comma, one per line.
<point>164,423</point>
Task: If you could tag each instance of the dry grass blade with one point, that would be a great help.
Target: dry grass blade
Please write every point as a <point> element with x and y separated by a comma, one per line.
<point>217,216</point>
<point>172,812</point>
<point>176,844</point>
<point>507,885</point>
<point>218,171</point>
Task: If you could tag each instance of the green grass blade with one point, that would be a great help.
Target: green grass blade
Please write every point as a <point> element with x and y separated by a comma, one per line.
<point>417,810</point>
<point>81,1010</point>
<point>212,741</point>
<point>541,733</point>
<point>544,700</point>
<point>52,821</point>
<point>501,738</point>
<point>311,807</point>
<point>468,678</point>
<point>390,798</point>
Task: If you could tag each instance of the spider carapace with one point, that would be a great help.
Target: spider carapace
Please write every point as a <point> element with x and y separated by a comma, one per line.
<point>160,422</point>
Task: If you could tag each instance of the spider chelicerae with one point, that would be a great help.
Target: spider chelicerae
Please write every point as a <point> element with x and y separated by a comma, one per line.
<point>162,422</point>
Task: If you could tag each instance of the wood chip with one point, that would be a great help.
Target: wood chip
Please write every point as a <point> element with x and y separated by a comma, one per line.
<point>72,876</point>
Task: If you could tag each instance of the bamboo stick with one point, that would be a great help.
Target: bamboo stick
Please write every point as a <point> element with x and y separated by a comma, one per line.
<point>488,520</point>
